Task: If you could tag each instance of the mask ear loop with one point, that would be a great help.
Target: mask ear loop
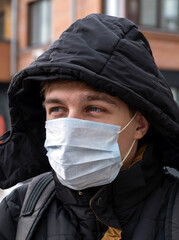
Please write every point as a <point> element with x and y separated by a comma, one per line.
<point>128,151</point>
<point>134,139</point>
<point>128,123</point>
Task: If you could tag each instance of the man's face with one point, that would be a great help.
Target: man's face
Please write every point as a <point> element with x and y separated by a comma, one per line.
<point>77,100</point>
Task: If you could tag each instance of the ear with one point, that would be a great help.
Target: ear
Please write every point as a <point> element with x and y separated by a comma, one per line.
<point>142,126</point>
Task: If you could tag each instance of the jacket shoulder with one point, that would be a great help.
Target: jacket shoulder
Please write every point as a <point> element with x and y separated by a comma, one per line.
<point>172,216</point>
<point>10,209</point>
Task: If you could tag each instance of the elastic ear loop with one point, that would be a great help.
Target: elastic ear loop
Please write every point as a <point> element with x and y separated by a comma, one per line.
<point>134,139</point>
<point>128,151</point>
<point>128,123</point>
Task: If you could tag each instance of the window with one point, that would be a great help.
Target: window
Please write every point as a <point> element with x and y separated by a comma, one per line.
<point>170,14</point>
<point>39,22</point>
<point>163,14</point>
<point>148,12</point>
<point>1,25</point>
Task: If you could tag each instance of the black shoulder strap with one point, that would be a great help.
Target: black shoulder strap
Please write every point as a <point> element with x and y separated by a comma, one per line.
<point>39,194</point>
<point>172,218</point>
<point>175,216</point>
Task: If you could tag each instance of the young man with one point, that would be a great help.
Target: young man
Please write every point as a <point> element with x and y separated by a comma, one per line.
<point>95,109</point>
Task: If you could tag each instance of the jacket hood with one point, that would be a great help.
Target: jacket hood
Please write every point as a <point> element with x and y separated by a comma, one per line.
<point>111,55</point>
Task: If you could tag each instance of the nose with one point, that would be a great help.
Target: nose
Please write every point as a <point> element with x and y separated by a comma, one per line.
<point>75,113</point>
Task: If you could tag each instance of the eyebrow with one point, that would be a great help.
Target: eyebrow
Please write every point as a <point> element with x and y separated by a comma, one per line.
<point>51,101</point>
<point>88,98</point>
<point>99,98</point>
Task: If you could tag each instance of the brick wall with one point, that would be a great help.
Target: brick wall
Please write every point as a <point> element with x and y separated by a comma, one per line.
<point>165,49</point>
<point>4,61</point>
<point>61,19</point>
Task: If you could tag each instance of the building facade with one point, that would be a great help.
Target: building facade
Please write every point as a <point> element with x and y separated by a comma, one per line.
<point>28,27</point>
<point>5,36</point>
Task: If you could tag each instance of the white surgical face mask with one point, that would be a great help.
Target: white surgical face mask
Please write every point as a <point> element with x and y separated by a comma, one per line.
<point>83,153</point>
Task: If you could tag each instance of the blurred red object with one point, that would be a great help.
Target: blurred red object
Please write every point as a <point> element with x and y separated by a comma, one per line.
<point>2,126</point>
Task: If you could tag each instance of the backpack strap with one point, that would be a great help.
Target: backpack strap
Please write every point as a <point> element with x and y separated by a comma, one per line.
<point>175,216</point>
<point>172,218</point>
<point>39,195</point>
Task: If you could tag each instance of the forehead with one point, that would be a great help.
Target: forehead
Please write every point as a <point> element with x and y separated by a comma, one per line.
<point>60,89</point>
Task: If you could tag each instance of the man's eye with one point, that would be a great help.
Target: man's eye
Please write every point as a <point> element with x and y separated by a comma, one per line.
<point>56,109</point>
<point>95,109</point>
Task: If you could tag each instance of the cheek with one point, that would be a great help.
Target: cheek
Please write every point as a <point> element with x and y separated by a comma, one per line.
<point>125,139</point>
<point>121,144</point>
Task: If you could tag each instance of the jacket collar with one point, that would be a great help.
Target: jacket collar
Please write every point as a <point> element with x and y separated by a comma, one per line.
<point>115,203</point>
<point>128,191</point>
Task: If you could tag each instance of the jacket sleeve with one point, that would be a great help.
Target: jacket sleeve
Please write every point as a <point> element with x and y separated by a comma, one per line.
<point>10,209</point>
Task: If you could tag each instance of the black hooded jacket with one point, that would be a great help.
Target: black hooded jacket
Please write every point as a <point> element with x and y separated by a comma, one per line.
<point>139,203</point>
<point>111,55</point>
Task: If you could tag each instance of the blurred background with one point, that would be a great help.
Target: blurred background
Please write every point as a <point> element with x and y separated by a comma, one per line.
<point>28,27</point>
